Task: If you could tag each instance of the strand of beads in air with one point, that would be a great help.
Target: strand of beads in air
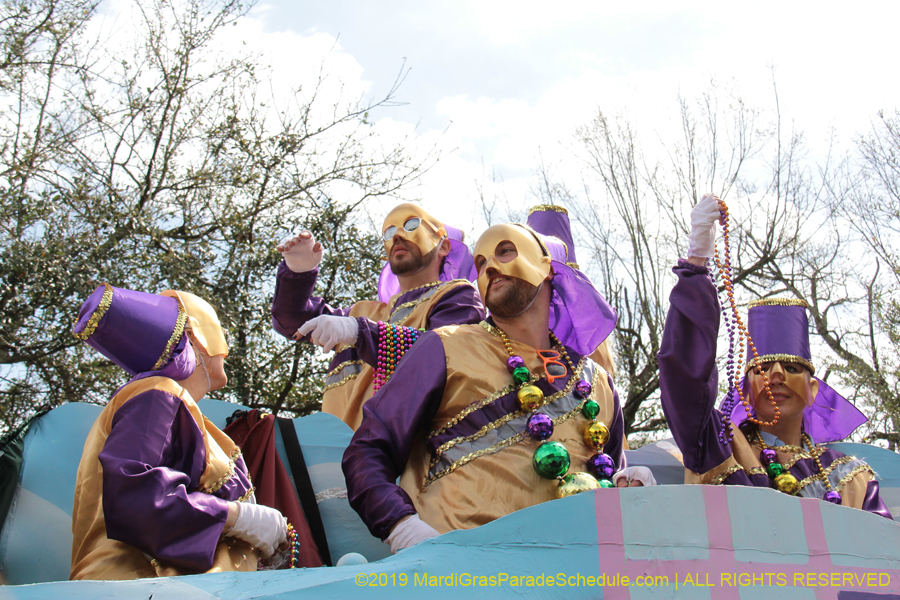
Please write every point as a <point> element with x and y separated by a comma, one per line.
<point>735,322</point>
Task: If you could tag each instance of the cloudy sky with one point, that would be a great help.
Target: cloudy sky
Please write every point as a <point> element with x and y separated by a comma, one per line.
<point>497,83</point>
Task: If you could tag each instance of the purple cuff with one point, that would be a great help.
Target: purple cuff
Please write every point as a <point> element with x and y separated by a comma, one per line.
<point>873,502</point>
<point>293,303</point>
<point>702,270</point>
<point>367,341</point>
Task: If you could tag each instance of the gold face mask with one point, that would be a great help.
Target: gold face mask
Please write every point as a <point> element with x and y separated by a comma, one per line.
<point>206,331</point>
<point>412,223</point>
<point>795,379</point>
<point>530,264</point>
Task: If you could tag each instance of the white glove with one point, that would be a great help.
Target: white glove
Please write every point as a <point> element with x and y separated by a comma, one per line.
<point>410,532</point>
<point>301,252</point>
<point>262,527</point>
<point>329,331</point>
<point>703,227</point>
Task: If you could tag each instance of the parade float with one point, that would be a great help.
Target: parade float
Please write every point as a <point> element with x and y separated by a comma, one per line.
<point>665,541</point>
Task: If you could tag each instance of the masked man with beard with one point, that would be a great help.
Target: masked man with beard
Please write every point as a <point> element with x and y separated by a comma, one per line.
<point>424,285</point>
<point>483,420</point>
<point>770,435</point>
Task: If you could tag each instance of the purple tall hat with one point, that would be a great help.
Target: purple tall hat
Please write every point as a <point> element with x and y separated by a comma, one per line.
<point>579,315</point>
<point>553,220</point>
<point>457,265</point>
<point>142,333</point>
<point>779,329</point>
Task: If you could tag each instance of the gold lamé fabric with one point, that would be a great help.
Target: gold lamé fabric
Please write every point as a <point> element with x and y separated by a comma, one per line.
<point>345,399</point>
<point>499,482</point>
<point>745,457</point>
<point>603,357</point>
<point>94,556</point>
<point>204,322</point>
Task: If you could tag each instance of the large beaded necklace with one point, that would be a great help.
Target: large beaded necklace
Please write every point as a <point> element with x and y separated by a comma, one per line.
<point>551,460</point>
<point>734,324</point>
<point>785,481</point>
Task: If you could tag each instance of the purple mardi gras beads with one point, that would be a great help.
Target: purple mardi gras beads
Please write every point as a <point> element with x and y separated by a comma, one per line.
<point>514,362</point>
<point>833,497</point>
<point>767,456</point>
<point>539,427</point>
<point>601,466</point>
<point>582,389</point>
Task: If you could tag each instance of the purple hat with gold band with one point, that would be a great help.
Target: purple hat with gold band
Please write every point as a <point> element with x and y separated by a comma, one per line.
<point>142,333</point>
<point>553,220</point>
<point>779,328</point>
<point>586,319</point>
<point>457,265</point>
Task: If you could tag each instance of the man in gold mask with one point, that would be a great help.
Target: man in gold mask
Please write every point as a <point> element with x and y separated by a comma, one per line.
<point>768,430</point>
<point>485,419</point>
<point>425,284</point>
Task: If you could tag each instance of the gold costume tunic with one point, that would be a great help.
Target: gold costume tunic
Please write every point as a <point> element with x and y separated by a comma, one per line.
<point>846,474</point>
<point>94,555</point>
<point>349,385</point>
<point>474,464</point>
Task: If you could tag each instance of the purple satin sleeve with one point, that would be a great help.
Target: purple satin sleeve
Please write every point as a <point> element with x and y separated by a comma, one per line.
<point>873,502</point>
<point>688,379</point>
<point>367,341</point>
<point>459,306</point>
<point>380,448</point>
<point>294,304</point>
<point>152,462</point>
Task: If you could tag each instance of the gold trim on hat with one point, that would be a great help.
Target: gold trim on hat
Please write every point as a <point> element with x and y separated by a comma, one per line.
<point>551,207</point>
<point>572,264</point>
<point>98,313</point>
<point>780,358</point>
<point>173,340</point>
<point>778,302</point>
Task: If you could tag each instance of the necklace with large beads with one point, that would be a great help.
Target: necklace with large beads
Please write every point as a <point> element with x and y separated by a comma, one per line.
<point>785,481</point>
<point>551,460</point>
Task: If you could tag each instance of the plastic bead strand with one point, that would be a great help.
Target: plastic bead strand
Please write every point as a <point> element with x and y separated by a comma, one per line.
<point>736,328</point>
<point>394,341</point>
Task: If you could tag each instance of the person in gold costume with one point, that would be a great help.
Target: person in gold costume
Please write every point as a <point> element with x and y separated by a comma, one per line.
<point>768,431</point>
<point>482,420</point>
<point>160,490</point>
<point>425,284</point>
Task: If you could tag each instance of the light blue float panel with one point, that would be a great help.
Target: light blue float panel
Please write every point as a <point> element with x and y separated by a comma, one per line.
<point>682,537</point>
<point>570,541</point>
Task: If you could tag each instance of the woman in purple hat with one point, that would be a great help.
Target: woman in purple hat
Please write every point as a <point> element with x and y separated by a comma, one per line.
<point>770,435</point>
<point>160,490</point>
